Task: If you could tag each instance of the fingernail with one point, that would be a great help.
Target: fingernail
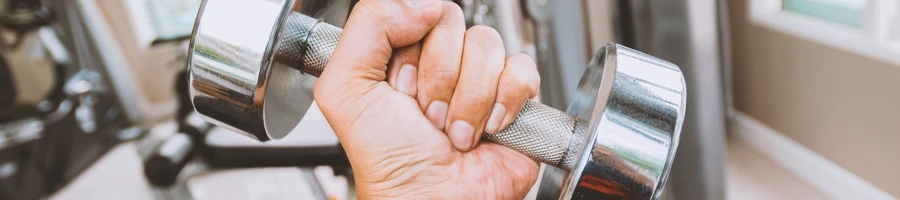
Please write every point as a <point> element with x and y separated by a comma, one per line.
<point>461,133</point>
<point>496,119</point>
<point>406,79</point>
<point>437,114</point>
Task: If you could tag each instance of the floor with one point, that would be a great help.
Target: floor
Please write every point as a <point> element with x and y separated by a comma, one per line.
<point>750,176</point>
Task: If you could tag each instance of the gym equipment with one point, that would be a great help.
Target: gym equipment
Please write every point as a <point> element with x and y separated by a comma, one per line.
<point>253,74</point>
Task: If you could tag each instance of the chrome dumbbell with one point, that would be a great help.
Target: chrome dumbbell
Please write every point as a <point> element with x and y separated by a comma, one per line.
<point>617,141</point>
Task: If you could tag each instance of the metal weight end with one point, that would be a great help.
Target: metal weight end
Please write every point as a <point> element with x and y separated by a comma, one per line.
<point>630,105</point>
<point>634,104</point>
<point>234,79</point>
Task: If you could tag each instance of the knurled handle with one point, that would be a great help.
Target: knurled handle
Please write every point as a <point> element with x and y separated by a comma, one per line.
<point>539,131</point>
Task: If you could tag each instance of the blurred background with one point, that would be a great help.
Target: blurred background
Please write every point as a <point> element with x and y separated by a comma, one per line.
<point>789,99</point>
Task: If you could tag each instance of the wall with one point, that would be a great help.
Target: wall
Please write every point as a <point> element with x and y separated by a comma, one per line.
<point>841,105</point>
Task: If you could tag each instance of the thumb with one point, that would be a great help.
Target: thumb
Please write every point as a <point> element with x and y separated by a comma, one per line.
<point>359,62</point>
<point>374,29</point>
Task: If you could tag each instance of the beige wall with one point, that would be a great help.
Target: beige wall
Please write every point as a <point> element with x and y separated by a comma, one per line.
<point>841,105</point>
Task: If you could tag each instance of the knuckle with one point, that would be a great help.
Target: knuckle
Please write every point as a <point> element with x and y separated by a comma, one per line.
<point>474,101</point>
<point>441,70</point>
<point>521,59</point>
<point>432,63</point>
<point>532,79</point>
<point>523,71</point>
<point>512,88</point>
<point>452,14</point>
<point>440,85</point>
<point>483,35</point>
<point>444,76</point>
<point>519,82</point>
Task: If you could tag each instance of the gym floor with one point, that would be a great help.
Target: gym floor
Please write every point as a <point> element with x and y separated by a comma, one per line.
<point>750,176</point>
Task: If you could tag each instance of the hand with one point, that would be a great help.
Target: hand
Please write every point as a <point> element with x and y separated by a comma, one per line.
<point>406,72</point>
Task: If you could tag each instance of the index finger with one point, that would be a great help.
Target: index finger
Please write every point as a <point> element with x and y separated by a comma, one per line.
<point>439,64</point>
<point>374,29</point>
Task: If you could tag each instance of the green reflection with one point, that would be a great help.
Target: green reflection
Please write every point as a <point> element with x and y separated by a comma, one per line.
<point>212,54</point>
<point>842,14</point>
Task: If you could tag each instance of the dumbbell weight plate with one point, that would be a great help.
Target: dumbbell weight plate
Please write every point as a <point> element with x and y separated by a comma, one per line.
<point>629,105</point>
<point>635,105</point>
<point>229,85</point>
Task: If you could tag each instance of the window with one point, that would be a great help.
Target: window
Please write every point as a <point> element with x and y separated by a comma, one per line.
<point>173,18</point>
<point>866,27</point>
<point>894,33</point>
<point>847,12</point>
<point>162,20</point>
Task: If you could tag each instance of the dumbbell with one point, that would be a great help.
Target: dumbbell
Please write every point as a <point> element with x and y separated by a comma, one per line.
<point>251,62</point>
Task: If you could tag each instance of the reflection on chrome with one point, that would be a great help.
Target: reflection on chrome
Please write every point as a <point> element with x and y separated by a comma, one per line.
<point>637,103</point>
<point>227,57</point>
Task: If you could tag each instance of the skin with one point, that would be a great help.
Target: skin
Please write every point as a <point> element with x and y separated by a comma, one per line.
<point>409,91</point>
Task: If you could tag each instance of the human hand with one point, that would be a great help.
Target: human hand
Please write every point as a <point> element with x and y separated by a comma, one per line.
<point>404,73</point>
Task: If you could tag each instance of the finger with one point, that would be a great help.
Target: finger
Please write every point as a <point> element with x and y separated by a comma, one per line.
<point>402,69</point>
<point>482,64</point>
<point>518,83</point>
<point>359,62</point>
<point>373,30</point>
<point>439,65</point>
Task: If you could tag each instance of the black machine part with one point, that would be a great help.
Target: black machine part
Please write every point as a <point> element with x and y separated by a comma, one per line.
<point>168,159</point>
<point>21,16</point>
<point>7,89</point>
